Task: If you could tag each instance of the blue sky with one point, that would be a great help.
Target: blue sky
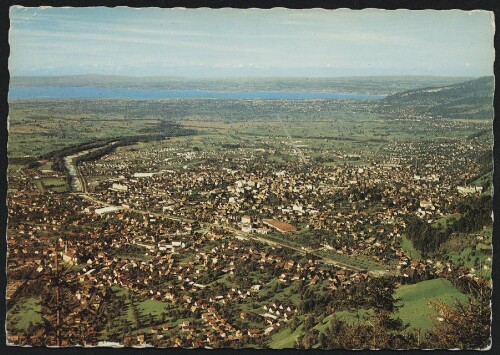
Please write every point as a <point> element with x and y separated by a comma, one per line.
<point>232,42</point>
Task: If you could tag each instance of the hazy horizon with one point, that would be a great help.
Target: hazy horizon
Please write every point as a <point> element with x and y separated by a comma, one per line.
<point>204,43</point>
<point>249,77</point>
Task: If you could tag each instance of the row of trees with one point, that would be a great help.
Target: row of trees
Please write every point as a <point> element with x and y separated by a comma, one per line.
<point>163,130</point>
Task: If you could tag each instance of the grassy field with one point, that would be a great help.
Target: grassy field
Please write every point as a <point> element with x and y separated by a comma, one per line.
<point>358,261</point>
<point>14,169</point>
<point>25,311</point>
<point>475,259</point>
<point>443,221</point>
<point>474,250</point>
<point>417,310</point>
<point>38,128</point>
<point>409,249</point>
<point>153,307</point>
<point>146,309</point>
<point>57,185</point>
<point>345,316</point>
<point>416,300</point>
<point>321,126</point>
<point>285,338</point>
<point>127,311</point>
<point>483,179</point>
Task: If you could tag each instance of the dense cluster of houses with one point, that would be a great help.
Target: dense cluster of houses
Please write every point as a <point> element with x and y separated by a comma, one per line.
<point>363,205</point>
<point>161,225</point>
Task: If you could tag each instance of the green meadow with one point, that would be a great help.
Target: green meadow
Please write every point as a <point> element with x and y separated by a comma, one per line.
<point>417,300</point>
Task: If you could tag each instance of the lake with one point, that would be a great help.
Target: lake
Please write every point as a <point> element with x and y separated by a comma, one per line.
<point>52,93</point>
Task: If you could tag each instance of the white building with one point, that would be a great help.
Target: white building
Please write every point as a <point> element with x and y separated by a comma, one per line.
<point>106,210</point>
<point>119,187</point>
<point>468,190</point>
<point>143,175</point>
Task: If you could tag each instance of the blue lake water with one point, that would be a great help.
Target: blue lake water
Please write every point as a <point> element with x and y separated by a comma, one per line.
<point>51,93</point>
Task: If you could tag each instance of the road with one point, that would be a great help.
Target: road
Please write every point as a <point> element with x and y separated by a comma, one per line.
<point>77,180</point>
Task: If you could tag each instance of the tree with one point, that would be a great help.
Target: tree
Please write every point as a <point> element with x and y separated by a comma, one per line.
<point>322,340</point>
<point>308,322</point>
<point>464,326</point>
<point>380,294</point>
<point>310,338</point>
<point>298,342</point>
<point>294,323</point>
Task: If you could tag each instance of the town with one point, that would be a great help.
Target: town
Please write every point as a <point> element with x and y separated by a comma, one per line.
<point>204,178</point>
<point>195,242</point>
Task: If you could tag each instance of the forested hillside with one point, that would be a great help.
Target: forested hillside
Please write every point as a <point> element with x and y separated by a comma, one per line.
<point>470,99</point>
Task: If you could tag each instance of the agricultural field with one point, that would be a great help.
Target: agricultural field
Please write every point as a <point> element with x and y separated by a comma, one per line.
<point>37,129</point>
<point>41,127</point>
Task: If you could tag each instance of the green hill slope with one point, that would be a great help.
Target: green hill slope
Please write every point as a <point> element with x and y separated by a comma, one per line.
<point>470,99</point>
<point>417,301</point>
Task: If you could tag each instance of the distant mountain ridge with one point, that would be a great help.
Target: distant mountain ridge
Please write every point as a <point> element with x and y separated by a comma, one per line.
<point>361,85</point>
<point>470,99</point>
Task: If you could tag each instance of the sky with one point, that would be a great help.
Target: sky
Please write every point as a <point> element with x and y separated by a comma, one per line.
<point>255,42</point>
